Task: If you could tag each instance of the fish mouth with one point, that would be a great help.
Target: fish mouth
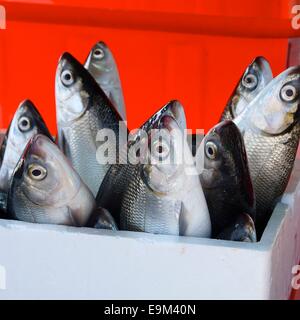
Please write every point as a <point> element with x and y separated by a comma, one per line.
<point>262,63</point>
<point>252,236</point>
<point>38,146</point>
<point>224,125</point>
<point>39,121</point>
<point>226,128</point>
<point>35,147</point>
<point>66,59</point>
<point>251,231</point>
<point>101,44</point>
<point>178,113</point>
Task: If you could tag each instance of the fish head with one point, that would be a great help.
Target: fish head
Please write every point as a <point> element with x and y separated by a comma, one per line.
<point>100,60</point>
<point>44,175</point>
<point>219,148</point>
<point>276,108</point>
<point>257,75</point>
<point>250,231</point>
<point>26,122</point>
<point>242,230</point>
<point>73,87</point>
<point>225,159</point>
<point>163,171</point>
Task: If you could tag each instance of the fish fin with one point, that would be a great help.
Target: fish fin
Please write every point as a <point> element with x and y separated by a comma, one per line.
<point>102,219</point>
<point>183,223</point>
<point>64,144</point>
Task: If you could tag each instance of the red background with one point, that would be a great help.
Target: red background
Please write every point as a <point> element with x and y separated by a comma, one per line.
<point>194,51</point>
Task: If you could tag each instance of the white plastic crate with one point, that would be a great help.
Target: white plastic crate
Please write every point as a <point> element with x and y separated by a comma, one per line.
<point>55,262</point>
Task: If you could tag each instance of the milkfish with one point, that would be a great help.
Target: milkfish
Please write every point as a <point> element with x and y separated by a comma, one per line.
<point>160,193</point>
<point>83,110</point>
<point>225,177</point>
<point>271,130</point>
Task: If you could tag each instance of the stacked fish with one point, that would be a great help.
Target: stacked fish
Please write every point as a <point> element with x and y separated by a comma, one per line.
<point>246,159</point>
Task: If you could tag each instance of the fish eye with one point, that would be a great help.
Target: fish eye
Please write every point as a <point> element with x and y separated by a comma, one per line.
<point>211,150</point>
<point>24,124</point>
<point>250,81</point>
<point>37,172</point>
<point>98,53</point>
<point>67,78</point>
<point>288,93</point>
<point>160,149</point>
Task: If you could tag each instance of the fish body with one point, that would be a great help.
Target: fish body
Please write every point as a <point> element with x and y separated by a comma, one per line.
<point>26,122</point>
<point>257,75</point>
<point>102,66</point>
<point>155,197</point>
<point>225,177</point>
<point>243,230</point>
<point>83,110</point>
<point>46,189</point>
<point>271,132</point>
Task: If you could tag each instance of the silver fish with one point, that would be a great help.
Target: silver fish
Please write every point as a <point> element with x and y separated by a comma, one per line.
<point>257,75</point>
<point>46,189</point>
<point>155,196</point>
<point>243,229</point>
<point>102,66</point>
<point>26,122</point>
<point>225,178</point>
<point>82,111</point>
<point>271,131</point>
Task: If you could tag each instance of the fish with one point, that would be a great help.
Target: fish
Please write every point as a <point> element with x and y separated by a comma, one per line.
<point>3,214</point>
<point>225,177</point>
<point>26,122</point>
<point>159,193</point>
<point>102,219</point>
<point>83,110</point>
<point>257,75</point>
<point>243,230</point>
<point>46,189</point>
<point>102,66</point>
<point>271,130</point>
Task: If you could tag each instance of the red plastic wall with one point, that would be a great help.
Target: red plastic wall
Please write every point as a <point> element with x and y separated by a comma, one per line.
<point>194,51</point>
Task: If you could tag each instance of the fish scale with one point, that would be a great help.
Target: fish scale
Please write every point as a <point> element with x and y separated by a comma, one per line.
<point>266,153</point>
<point>82,141</point>
<point>140,213</point>
<point>133,209</point>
